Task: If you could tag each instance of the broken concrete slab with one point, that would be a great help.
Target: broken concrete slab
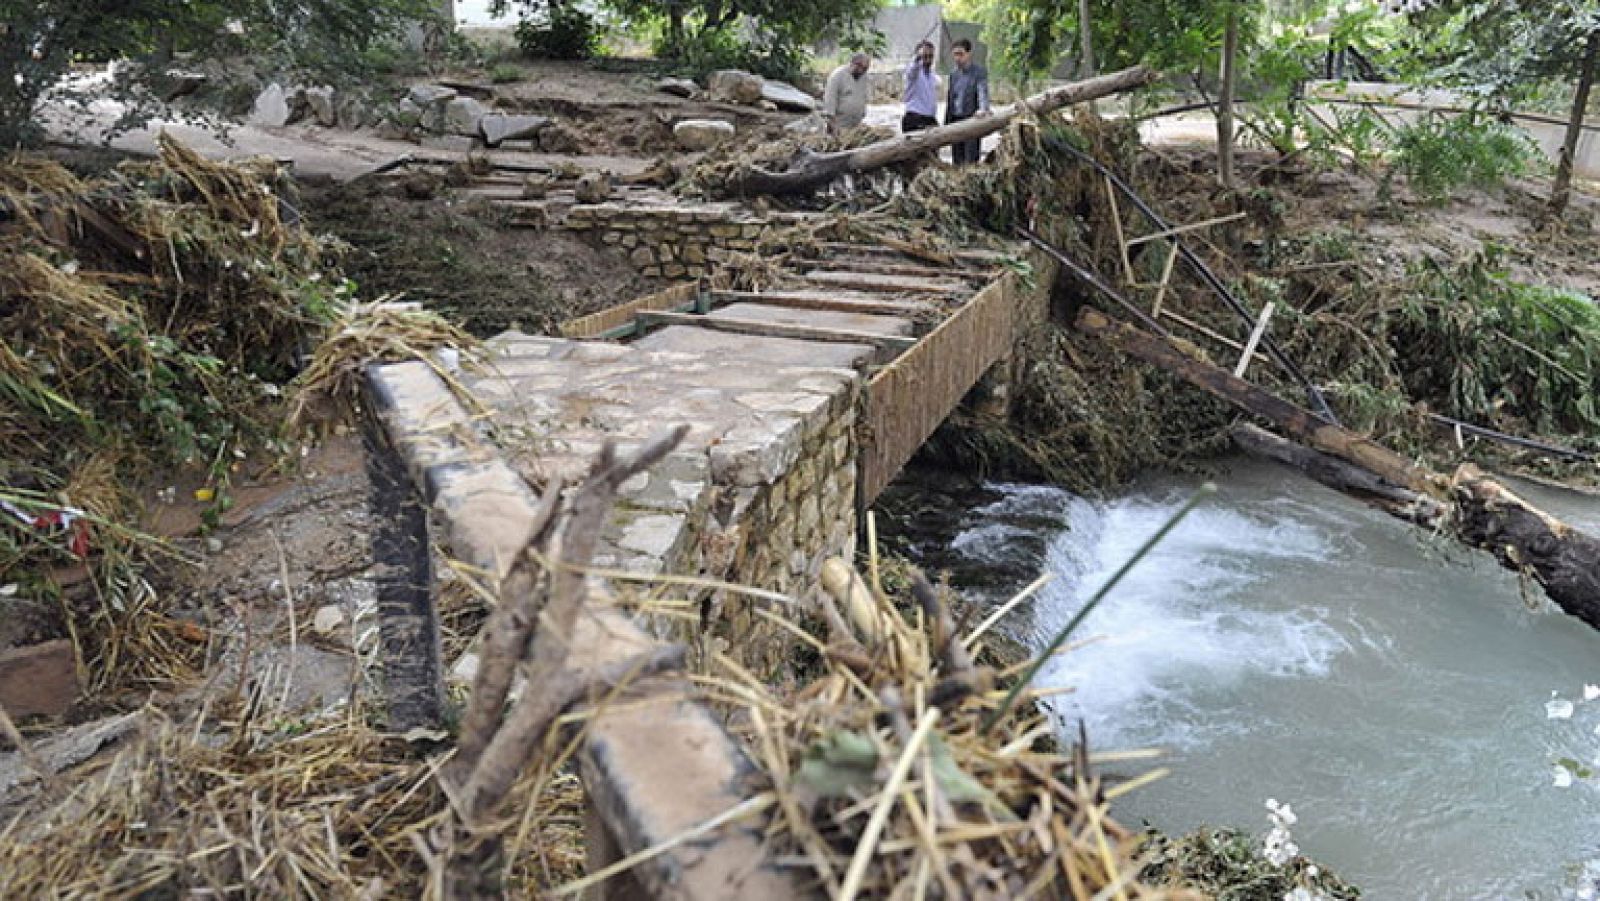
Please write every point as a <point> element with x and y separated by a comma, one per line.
<point>39,680</point>
<point>702,134</point>
<point>462,115</point>
<point>677,87</point>
<point>787,97</point>
<point>426,95</point>
<point>499,127</point>
<point>872,324</point>
<point>773,352</point>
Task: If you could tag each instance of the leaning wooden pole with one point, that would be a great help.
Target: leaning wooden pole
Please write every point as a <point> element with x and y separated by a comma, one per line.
<point>811,171</point>
<point>1478,510</point>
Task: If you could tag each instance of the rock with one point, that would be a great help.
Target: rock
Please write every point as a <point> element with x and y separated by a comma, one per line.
<point>426,95</point>
<point>788,97</point>
<point>498,127</point>
<point>677,87</point>
<point>350,111</point>
<point>536,186</point>
<point>175,83</point>
<point>271,109</point>
<point>557,138</point>
<point>320,99</point>
<point>701,134</point>
<point>327,619</point>
<point>812,124</point>
<point>735,86</point>
<point>462,115</point>
<point>41,680</point>
<point>593,187</point>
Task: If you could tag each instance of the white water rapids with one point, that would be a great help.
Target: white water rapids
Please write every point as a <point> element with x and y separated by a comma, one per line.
<point>1286,642</point>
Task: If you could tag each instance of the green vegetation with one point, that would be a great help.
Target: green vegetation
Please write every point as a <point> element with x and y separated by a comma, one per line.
<point>1441,153</point>
<point>322,42</point>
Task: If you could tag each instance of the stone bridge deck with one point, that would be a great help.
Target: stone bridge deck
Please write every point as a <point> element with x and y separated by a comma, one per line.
<point>803,401</point>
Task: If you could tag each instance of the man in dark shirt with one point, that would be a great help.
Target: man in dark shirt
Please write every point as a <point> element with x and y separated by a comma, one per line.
<point>968,97</point>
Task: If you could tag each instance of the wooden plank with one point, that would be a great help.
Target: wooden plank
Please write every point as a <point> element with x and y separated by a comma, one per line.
<point>1255,339</point>
<point>778,330</point>
<point>836,304</point>
<point>1184,229</point>
<point>622,314</point>
<point>977,257</point>
<point>1299,422</point>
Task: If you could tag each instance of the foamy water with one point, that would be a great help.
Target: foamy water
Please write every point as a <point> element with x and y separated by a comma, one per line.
<point>1287,642</point>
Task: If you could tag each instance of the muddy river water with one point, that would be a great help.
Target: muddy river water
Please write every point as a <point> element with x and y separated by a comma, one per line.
<point>1286,642</point>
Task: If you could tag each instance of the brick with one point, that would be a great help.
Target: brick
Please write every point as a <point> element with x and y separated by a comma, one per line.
<point>39,680</point>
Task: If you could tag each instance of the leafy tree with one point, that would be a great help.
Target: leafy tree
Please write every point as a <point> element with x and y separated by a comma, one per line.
<point>318,39</point>
<point>1506,48</point>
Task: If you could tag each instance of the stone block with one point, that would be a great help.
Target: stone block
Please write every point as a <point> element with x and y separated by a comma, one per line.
<point>320,99</point>
<point>702,134</point>
<point>271,109</point>
<point>674,270</point>
<point>497,128</point>
<point>724,231</point>
<point>629,239</point>
<point>641,257</point>
<point>610,237</point>
<point>39,680</point>
<point>785,96</point>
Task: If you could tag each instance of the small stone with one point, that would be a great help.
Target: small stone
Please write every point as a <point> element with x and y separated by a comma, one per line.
<point>535,186</point>
<point>214,544</point>
<point>593,187</point>
<point>641,257</point>
<point>702,134</point>
<point>426,95</point>
<point>327,619</point>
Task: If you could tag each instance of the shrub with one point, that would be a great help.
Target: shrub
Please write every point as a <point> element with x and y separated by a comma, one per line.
<point>559,31</point>
<point>1440,154</point>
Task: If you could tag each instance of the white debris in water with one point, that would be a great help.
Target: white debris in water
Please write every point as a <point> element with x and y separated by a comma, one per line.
<point>1558,708</point>
<point>1590,692</point>
<point>1562,777</point>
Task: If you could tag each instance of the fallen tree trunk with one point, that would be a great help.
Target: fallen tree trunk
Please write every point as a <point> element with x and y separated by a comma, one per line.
<point>1478,510</point>
<point>1340,475</point>
<point>1300,423</point>
<point>1564,560</point>
<point>811,171</point>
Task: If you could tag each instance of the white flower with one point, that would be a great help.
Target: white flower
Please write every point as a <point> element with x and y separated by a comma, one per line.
<point>1562,777</point>
<point>1279,847</point>
<point>1301,893</point>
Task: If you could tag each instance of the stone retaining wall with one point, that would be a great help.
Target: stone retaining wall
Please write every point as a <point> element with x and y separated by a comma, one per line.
<point>671,241</point>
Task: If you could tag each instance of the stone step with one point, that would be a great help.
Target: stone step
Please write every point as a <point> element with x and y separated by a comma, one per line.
<point>868,323</point>
<point>892,284</point>
<point>845,301</point>
<point>777,352</point>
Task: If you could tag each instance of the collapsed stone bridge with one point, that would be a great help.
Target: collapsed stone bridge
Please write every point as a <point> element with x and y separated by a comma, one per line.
<point>803,402</point>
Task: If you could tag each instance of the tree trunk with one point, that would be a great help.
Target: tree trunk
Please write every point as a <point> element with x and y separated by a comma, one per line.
<point>1230,51</point>
<point>1300,423</point>
<point>1562,190</point>
<point>1339,475</point>
<point>1486,515</point>
<point>1087,70</point>
<point>811,171</point>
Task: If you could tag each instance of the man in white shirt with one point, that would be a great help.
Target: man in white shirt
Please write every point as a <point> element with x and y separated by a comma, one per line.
<point>844,101</point>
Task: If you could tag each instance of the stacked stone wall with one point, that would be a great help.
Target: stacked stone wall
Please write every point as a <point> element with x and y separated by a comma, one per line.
<point>670,241</point>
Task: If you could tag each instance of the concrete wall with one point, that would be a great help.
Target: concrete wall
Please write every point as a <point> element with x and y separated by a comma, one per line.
<point>1401,104</point>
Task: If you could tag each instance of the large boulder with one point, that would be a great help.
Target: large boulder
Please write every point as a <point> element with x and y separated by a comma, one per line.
<point>498,127</point>
<point>788,97</point>
<point>735,86</point>
<point>701,134</point>
<point>271,109</point>
<point>350,111</point>
<point>462,115</point>
<point>320,99</point>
